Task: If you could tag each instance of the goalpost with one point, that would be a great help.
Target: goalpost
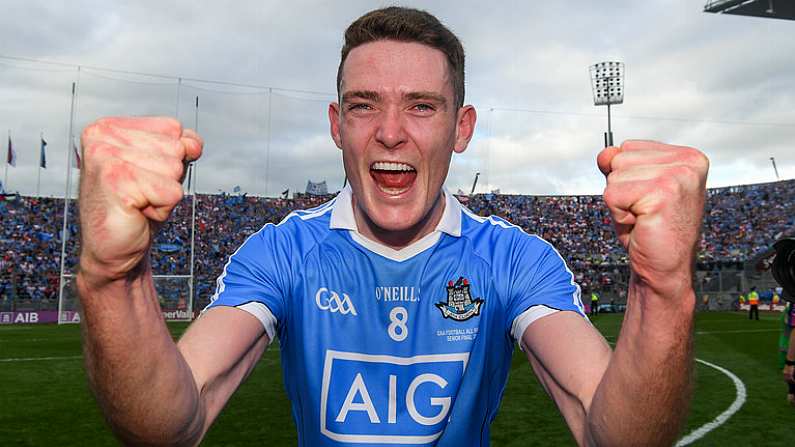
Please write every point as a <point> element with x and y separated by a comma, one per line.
<point>181,272</point>
<point>175,292</point>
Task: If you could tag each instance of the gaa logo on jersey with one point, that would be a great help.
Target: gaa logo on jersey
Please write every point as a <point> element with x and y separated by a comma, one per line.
<point>460,305</point>
<point>329,300</point>
<point>387,399</point>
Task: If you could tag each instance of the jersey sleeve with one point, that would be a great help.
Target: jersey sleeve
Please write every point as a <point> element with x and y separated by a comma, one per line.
<point>256,278</point>
<point>540,284</point>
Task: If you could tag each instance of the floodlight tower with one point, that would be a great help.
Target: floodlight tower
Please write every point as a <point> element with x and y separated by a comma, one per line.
<point>607,83</point>
<point>474,183</point>
<point>775,169</point>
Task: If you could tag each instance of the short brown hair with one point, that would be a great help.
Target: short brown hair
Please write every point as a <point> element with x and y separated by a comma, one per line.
<point>407,25</point>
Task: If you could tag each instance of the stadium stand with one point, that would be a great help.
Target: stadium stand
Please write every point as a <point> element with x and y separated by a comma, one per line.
<point>740,223</point>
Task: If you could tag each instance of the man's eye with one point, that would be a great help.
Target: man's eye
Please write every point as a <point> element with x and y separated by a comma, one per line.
<point>424,107</point>
<point>359,106</point>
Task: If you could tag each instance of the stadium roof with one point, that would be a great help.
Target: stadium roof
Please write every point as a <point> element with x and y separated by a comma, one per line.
<point>772,9</point>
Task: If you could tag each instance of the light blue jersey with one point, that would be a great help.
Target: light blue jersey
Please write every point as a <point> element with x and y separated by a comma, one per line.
<point>385,347</point>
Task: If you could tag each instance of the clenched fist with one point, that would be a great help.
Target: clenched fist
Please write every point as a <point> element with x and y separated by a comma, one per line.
<point>655,193</point>
<point>130,182</point>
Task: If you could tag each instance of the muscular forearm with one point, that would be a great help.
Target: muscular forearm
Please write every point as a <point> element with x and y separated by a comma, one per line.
<point>142,383</point>
<point>643,396</point>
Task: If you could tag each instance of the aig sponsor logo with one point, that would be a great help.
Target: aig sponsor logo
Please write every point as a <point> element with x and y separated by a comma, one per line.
<point>331,301</point>
<point>383,399</point>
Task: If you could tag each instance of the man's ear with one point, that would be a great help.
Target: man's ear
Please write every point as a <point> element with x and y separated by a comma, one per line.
<point>334,123</point>
<point>465,127</point>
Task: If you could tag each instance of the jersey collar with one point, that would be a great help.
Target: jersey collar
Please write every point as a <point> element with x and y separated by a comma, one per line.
<point>342,213</point>
<point>342,219</point>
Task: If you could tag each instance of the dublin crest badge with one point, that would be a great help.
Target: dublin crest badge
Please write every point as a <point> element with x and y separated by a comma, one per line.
<point>459,306</point>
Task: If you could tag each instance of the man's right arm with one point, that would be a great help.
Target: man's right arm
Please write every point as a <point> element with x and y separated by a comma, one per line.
<point>151,390</point>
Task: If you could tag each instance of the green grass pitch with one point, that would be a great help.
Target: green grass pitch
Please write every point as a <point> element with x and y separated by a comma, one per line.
<point>44,398</point>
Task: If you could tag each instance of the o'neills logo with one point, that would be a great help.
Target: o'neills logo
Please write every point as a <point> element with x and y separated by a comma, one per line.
<point>459,306</point>
<point>397,293</point>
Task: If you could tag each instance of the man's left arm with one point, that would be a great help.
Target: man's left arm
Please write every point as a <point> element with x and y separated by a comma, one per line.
<point>638,394</point>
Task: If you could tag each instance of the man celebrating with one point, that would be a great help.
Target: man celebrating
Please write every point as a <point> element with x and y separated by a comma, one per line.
<point>396,308</point>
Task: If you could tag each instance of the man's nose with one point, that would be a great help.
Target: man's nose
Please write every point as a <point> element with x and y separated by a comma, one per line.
<point>391,131</point>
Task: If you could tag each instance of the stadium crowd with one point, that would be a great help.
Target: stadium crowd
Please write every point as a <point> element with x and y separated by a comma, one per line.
<point>741,222</point>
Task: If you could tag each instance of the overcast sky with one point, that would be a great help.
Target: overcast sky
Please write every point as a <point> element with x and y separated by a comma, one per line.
<point>720,83</point>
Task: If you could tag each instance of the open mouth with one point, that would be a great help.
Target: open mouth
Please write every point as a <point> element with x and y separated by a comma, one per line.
<point>393,178</point>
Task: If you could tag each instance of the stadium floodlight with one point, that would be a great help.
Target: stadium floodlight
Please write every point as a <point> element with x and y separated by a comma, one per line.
<point>607,84</point>
<point>475,183</point>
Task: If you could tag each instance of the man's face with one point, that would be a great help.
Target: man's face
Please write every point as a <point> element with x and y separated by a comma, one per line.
<point>397,125</point>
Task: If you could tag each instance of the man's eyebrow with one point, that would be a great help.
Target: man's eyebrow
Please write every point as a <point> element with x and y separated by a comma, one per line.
<point>367,95</point>
<point>426,96</point>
